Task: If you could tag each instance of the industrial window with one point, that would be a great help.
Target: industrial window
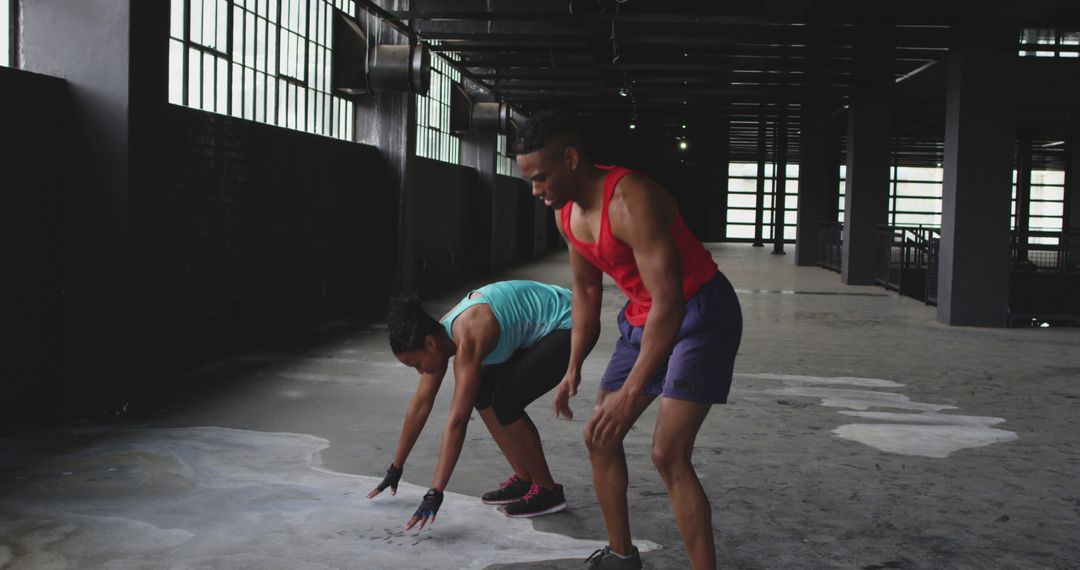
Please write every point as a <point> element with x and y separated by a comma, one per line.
<point>503,163</point>
<point>7,46</point>
<point>915,199</point>
<point>1047,206</point>
<point>261,60</point>
<point>742,200</point>
<point>433,138</point>
<point>842,193</point>
<point>914,195</point>
<point>1042,42</point>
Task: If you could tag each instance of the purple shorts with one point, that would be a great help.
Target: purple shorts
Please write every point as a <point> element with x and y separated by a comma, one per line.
<point>703,360</point>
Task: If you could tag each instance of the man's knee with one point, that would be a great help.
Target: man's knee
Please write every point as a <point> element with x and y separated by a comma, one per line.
<point>670,461</point>
<point>597,449</point>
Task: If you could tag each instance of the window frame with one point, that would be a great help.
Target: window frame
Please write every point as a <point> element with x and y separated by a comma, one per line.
<point>1051,45</point>
<point>11,50</point>
<point>504,165</point>
<point>258,84</point>
<point>791,202</point>
<point>436,142</point>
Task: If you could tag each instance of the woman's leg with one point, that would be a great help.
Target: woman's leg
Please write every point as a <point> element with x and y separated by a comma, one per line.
<point>525,440</point>
<point>506,445</point>
<point>538,371</point>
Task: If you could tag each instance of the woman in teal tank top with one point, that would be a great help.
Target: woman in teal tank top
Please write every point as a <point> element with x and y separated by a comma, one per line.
<point>510,342</point>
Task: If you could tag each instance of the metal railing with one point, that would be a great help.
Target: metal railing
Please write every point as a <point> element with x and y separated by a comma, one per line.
<point>830,253</point>
<point>933,246</point>
<point>1044,281</point>
<point>1045,251</point>
<point>904,260</point>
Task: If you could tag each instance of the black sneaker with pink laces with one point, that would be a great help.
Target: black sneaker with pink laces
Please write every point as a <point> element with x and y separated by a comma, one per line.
<point>513,489</point>
<point>538,501</point>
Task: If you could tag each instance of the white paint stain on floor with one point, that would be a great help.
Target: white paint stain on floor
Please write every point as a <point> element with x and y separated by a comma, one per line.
<point>924,440</point>
<point>219,498</point>
<point>928,433</point>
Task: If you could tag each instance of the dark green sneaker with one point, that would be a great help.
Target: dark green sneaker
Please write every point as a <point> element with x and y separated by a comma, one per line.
<point>605,559</point>
<point>509,491</point>
<point>538,501</point>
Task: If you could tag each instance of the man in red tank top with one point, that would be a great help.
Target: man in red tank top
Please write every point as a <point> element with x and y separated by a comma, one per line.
<point>679,332</point>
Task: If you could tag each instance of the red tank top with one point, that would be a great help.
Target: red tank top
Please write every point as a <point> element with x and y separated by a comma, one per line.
<point>615,258</point>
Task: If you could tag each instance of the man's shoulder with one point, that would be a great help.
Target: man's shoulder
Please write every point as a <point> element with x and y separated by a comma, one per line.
<point>640,202</point>
<point>636,191</point>
<point>634,181</point>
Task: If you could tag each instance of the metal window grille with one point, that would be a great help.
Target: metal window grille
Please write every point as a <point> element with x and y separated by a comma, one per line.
<point>433,138</point>
<point>262,60</point>
<point>842,193</point>
<point>1046,209</point>
<point>7,32</point>
<point>742,200</point>
<point>503,163</point>
<point>915,198</point>
<point>1043,42</point>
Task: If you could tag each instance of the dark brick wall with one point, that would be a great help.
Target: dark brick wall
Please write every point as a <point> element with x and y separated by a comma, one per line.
<point>452,223</point>
<point>544,230</point>
<point>267,230</point>
<point>507,222</point>
<point>530,219</point>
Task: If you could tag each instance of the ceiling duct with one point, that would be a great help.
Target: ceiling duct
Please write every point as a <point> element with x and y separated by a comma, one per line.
<point>468,116</point>
<point>400,68</point>
<point>490,117</point>
<point>357,69</point>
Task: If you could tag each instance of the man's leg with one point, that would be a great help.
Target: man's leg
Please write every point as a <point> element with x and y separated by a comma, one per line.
<point>677,425</point>
<point>610,479</point>
<point>507,445</point>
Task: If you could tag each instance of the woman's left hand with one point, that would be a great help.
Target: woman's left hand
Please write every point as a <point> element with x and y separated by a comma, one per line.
<point>429,507</point>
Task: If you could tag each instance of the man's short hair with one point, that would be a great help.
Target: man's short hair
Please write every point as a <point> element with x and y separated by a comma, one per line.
<point>546,126</point>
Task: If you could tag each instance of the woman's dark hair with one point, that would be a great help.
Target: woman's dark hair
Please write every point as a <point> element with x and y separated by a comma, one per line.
<point>409,323</point>
<point>545,126</point>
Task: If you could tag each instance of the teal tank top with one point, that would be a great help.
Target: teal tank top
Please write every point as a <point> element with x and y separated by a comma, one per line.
<point>525,310</point>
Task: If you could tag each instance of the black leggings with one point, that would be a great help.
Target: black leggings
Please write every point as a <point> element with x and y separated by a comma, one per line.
<point>530,373</point>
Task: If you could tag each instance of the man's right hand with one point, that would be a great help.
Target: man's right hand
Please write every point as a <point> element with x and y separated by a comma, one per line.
<point>567,389</point>
<point>393,476</point>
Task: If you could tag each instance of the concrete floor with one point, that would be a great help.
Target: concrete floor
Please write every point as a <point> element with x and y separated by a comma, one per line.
<point>861,433</point>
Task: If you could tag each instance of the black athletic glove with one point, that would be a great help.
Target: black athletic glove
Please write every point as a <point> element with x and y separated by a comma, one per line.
<point>429,507</point>
<point>393,476</point>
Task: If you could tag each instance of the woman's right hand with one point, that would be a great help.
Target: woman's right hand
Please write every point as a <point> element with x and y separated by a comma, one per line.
<point>566,390</point>
<point>393,476</point>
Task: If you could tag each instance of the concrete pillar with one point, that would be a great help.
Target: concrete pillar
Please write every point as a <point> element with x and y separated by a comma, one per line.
<point>717,198</point>
<point>866,201</point>
<point>1023,194</point>
<point>759,210</point>
<point>88,44</point>
<point>1072,177</point>
<point>979,131</point>
<point>388,121</point>
<point>150,224</point>
<point>818,181</point>
<point>478,152</point>
<point>780,196</point>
